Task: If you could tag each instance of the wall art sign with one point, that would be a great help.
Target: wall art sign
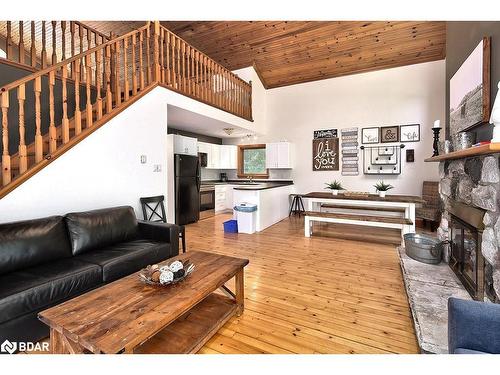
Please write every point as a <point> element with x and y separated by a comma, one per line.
<point>326,133</point>
<point>370,135</point>
<point>410,133</point>
<point>350,151</point>
<point>325,154</point>
<point>389,134</point>
<point>470,90</point>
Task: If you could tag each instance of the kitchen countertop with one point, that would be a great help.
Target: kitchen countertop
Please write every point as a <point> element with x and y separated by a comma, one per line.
<point>256,185</point>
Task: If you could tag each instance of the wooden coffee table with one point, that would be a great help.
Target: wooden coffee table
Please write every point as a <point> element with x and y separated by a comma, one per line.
<point>128,316</point>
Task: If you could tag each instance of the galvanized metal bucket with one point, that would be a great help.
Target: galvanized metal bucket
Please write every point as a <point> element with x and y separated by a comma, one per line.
<point>423,248</point>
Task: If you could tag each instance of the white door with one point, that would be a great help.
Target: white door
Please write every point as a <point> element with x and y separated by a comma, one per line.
<point>224,157</point>
<point>215,159</point>
<point>233,157</point>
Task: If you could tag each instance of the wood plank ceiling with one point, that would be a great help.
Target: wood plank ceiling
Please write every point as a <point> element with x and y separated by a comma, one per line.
<point>290,52</point>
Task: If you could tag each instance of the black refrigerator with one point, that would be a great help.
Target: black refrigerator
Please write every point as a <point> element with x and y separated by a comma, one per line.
<point>187,189</point>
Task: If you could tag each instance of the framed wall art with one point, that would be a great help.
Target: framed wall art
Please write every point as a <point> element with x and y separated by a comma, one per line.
<point>470,90</point>
<point>389,134</point>
<point>325,154</point>
<point>370,135</point>
<point>409,133</point>
<point>325,133</point>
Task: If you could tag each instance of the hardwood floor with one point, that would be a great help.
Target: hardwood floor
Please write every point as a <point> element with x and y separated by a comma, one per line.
<point>310,295</point>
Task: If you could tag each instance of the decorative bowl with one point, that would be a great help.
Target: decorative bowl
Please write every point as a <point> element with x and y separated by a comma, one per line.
<point>168,274</point>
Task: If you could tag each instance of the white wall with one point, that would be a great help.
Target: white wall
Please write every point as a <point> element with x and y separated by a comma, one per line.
<point>101,171</point>
<point>405,95</point>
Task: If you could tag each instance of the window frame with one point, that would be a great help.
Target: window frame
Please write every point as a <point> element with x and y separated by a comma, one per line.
<point>241,151</point>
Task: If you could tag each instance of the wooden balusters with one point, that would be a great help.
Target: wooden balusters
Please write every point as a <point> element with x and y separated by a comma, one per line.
<point>88,107</point>
<point>118,90</point>
<point>109,97</point>
<point>167,57</point>
<point>134,67</point>
<point>44,46</point>
<point>161,56</point>
<point>141,64</point>
<point>54,43</point>
<point>65,120</point>
<point>148,55</point>
<point>72,40</point>
<point>33,46</point>
<point>156,51</point>
<point>38,121</point>
<point>78,113</point>
<point>183,72</point>
<point>175,62</point>
<point>188,68</point>
<point>6,171</point>
<point>8,41</point>
<point>23,155</point>
<point>98,61</point>
<point>125,71</point>
<point>63,40</point>
<point>20,47</point>
<point>52,124</point>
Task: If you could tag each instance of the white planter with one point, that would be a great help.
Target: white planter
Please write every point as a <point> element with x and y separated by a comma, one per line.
<point>381,194</point>
<point>335,192</point>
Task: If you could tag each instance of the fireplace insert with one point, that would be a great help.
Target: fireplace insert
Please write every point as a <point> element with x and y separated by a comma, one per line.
<point>466,259</point>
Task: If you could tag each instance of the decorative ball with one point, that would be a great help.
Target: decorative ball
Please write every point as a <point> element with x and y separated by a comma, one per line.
<point>179,273</point>
<point>156,276</point>
<point>166,277</point>
<point>164,268</point>
<point>154,267</point>
<point>176,266</point>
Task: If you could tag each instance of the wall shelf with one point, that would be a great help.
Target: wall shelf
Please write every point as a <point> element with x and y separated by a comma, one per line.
<point>491,148</point>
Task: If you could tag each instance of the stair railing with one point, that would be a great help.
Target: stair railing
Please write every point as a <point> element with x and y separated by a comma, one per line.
<point>73,97</point>
<point>40,44</point>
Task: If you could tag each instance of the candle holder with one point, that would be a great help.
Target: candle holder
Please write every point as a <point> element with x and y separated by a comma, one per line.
<point>435,145</point>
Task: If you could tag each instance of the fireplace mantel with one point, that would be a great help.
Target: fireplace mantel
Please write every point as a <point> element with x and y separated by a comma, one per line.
<point>492,148</point>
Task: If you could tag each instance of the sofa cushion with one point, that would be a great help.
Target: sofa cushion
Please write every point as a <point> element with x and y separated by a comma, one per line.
<point>96,229</point>
<point>42,286</point>
<point>122,259</point>
<point>28,243</point>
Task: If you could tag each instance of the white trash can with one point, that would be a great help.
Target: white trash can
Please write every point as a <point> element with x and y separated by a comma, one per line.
<point>246,214</point>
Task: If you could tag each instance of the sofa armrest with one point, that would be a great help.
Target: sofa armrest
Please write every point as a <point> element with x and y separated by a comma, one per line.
<point>473,325</point>
<point>161,232</point>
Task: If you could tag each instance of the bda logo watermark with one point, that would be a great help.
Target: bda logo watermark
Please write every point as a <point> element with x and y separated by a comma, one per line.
<point>8,347</point>
<point>11,347</point>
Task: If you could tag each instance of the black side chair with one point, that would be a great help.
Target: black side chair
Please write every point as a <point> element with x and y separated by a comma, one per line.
<point>297,206</point>
<point>153,209</point>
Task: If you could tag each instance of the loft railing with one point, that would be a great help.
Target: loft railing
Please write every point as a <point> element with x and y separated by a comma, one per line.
<point>185,69</point>
<point>40,43</point>
<point>72,98</point>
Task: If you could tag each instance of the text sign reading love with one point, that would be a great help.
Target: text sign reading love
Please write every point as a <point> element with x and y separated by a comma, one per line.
<point>326,154</point>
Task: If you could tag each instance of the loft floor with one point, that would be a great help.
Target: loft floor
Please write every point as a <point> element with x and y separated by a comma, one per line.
<point>310,295</point>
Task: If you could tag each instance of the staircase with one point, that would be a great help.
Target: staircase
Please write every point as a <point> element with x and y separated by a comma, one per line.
<point>74,97</point>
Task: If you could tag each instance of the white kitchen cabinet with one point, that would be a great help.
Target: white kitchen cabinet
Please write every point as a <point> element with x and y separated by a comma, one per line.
<point>278,155</point>
<point>228,157</point>
<point>185,145</point>
<point>220,198</point>
<point>214,157</point>
<point>204,147</point>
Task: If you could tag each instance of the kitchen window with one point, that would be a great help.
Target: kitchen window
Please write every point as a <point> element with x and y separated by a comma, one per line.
<point>252,161</point>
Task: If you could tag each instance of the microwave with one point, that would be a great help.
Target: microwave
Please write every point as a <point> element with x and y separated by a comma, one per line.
<point>202,157</point>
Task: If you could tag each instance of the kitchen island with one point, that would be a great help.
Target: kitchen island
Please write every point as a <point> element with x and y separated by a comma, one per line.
<point>272,200</point>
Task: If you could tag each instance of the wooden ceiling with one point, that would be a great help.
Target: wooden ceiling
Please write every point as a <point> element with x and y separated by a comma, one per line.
<point>289,52</point>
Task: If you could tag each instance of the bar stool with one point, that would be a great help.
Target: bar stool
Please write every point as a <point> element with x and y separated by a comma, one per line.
<point>297,206</point>
<point>153,209</point>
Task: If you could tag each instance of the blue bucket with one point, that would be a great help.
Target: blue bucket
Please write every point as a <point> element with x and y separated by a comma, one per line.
<point>231,226</point>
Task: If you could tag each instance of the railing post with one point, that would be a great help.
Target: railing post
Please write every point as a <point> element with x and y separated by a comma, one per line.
<point>38,121</point>
<point>156,51</point>
<point>6,175</point>
<point>23,155</point>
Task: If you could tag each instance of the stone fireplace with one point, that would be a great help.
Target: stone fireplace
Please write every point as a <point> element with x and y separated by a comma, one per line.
<point>470,193</point>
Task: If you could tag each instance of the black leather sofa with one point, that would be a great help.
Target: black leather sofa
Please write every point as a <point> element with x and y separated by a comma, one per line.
<point>44,262</point>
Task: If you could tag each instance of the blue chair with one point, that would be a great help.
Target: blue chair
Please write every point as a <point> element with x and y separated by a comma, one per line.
<point>473,327</point>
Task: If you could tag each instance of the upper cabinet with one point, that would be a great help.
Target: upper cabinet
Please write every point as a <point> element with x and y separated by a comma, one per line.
<point>185,145</point>
<point>220,156</point>
<point>279,155</point>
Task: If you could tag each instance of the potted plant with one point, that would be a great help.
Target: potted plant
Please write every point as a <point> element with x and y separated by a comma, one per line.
<point>382,188</point>
<point>334,186</point>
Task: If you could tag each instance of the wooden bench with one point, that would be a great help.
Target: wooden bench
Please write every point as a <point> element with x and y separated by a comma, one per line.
<point>373,221</point>
<point>364,208</point>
